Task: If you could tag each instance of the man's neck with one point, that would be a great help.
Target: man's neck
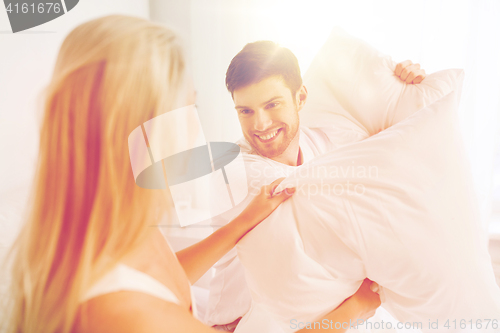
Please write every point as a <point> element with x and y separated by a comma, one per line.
<point>292,155</point>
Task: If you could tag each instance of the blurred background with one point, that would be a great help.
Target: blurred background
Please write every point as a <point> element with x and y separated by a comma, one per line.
<point>438,34</point>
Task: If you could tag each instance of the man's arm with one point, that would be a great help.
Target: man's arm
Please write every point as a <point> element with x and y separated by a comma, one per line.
<point>355,309</point>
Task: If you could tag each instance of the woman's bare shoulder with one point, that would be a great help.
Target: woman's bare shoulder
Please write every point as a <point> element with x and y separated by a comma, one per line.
<point>130,311</point>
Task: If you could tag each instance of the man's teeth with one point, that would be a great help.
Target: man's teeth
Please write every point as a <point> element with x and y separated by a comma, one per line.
<point>268,136</point>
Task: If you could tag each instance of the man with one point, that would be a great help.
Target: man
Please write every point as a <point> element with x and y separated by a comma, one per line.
<point>266,86</point>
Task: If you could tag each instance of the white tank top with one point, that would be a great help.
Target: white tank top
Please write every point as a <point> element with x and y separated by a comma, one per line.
<point>124,277</point>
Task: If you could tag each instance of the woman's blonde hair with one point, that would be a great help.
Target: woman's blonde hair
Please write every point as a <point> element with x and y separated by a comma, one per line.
<point>112,74</point>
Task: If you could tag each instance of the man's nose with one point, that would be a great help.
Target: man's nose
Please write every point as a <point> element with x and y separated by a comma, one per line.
<point>262,121</point>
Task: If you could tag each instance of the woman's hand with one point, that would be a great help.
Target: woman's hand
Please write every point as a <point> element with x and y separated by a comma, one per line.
<point>409,72</point>
<point>265,202</point>
<point>366,300</point>
<point>198,258</point>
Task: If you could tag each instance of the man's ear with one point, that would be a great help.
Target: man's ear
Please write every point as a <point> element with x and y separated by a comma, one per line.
<point>301,97</point>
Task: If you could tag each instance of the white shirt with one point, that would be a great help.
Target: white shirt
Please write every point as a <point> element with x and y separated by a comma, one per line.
<point>229,294</point>
<point>125,278</point>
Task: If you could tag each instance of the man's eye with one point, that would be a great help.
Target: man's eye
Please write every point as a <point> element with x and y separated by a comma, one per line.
<point>245,111</point>
<point>272,105</point>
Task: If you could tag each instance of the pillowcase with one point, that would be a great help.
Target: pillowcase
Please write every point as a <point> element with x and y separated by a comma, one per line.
<point>344,67</point>
<point>349,79</point>
<point>396,208</point>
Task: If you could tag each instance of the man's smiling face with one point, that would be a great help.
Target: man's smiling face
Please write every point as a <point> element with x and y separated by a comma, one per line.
<point>268,115</point>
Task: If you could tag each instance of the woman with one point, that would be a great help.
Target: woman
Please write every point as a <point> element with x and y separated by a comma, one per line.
<point>87,260</point>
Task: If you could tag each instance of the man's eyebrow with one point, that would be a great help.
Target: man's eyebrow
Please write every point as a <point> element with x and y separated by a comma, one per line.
<point>272,99</point>
<point>268,101</point>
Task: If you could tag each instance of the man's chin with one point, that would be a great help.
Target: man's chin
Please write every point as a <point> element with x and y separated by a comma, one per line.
<point>269,153</point>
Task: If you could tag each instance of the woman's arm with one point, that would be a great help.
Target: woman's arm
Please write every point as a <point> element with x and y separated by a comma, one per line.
<point>198,258</point>
<point>360,306</point>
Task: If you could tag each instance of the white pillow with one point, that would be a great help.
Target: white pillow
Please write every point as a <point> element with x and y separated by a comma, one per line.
<point>412,227</point>
<point>349,79</point>
<point>415,230</point>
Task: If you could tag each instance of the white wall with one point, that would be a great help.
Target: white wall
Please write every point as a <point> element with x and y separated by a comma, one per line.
<point>26,62</point>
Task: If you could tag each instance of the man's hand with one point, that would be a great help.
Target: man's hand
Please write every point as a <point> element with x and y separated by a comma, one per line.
<point>409,72</point>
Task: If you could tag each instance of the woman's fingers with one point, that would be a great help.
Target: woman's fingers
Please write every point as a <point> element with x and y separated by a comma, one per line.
<point>278,196</point>
<point>285,194</point>
<point>269,189</point>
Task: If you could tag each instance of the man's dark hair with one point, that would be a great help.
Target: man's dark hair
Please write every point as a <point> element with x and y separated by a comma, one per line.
<point>260,60</point>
